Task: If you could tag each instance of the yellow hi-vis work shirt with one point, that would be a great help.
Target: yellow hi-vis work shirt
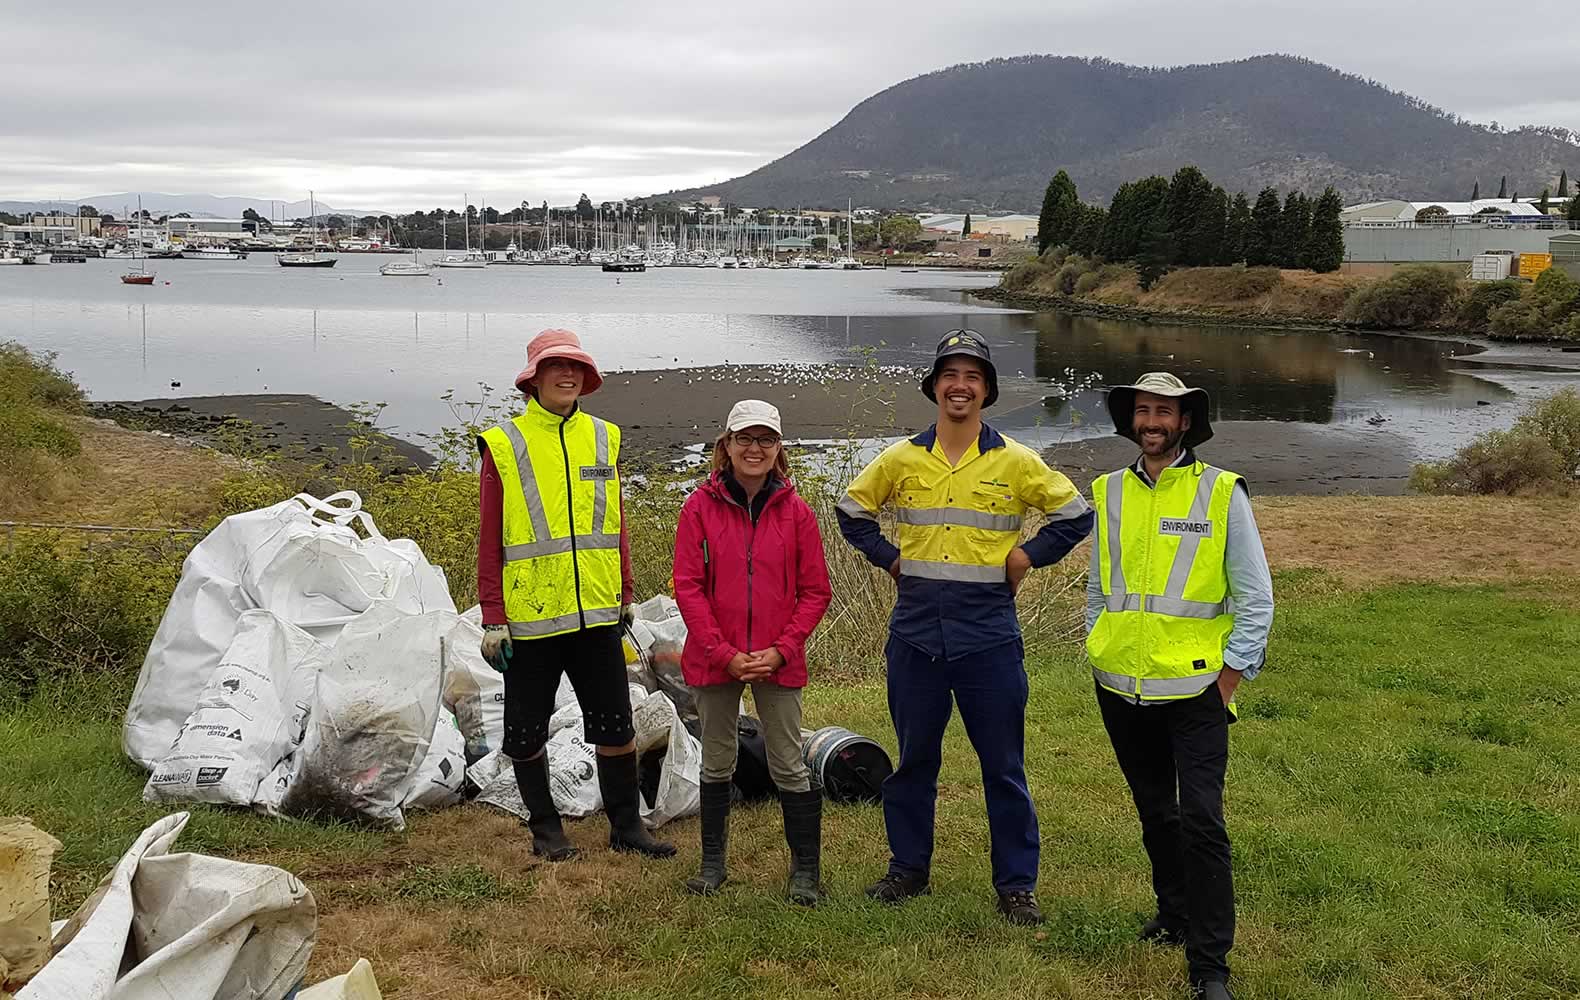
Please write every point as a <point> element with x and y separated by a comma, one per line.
<point>561,516</point>
<point>956,527</point>
<point>1166,608</point>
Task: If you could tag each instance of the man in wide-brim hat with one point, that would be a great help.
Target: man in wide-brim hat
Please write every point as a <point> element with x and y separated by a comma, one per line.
<point>1179,602</point>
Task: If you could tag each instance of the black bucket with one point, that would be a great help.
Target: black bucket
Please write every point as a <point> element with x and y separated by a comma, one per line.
<point>848,766</point>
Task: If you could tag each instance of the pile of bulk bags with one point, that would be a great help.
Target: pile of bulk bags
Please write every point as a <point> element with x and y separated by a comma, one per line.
<point>308,666</point>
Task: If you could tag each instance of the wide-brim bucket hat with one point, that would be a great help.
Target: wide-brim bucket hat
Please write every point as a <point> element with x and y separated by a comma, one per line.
<point>1194,401</point>
<point>967,343</point>
<point>559,344</point>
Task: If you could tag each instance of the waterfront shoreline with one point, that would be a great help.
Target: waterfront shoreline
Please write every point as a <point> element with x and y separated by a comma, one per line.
<point>665,415</point>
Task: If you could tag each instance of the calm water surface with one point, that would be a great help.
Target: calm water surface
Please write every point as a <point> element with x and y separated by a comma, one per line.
<point>347,334</point>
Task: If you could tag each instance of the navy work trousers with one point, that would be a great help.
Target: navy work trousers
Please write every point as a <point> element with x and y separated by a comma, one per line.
<point>990,688</point>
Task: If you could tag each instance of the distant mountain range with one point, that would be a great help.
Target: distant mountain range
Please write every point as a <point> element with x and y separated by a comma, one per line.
<point>202,206</point>
<point>987,136</point>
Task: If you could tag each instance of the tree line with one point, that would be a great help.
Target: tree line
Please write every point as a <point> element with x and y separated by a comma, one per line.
<point>1159,223</point>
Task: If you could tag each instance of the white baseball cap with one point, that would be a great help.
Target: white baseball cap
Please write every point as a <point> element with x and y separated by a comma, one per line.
<point>753,413</point>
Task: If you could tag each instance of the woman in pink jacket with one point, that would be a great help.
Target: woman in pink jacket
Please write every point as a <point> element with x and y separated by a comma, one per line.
<point>752,585</point>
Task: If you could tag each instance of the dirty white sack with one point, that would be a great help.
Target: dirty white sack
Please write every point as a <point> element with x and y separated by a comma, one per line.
<point>165,925</point>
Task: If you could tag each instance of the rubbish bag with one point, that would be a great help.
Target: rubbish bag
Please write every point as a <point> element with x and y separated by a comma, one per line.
<point>200,620</point>
<point>164,925</point>
<point>678,790</point>
<point>250,715</point>
<point>25,856</point>
<point>573,773</point>
<point>473,690</point>
<point>373,716</point>
<point>442,771</point>
<point>301,559</point>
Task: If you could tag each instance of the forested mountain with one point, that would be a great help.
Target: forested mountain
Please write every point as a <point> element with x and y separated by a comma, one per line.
<point>989,135</point>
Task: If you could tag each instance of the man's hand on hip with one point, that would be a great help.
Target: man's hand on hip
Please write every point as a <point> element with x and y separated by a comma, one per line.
<point>1016,566</point>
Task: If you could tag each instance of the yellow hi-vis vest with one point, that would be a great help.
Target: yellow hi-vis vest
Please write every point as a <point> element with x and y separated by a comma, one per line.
<point>561,520</point>
<point>1167,613</point>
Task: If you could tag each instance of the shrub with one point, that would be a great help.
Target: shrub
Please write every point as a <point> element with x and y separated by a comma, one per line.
<point>1556,420</point>
<point>1508,463</point>
<point>1074,267</point>
<point>1024,275</point>
<point>1550,310</point>
<point>1485,296</point>
<point>1088,282</point>
<point>34,396</point>
<point>1054,257</point>
<point>1410,297</point>
<point>75,622</point>
<point>1556,294</point>
<point>1518,320</point>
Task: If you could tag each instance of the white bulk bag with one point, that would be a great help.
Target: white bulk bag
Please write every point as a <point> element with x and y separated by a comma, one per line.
<point>249,716</point>
<point>373,716</point>
<point>679,794</point>
<point>473,690</point>
<point>437,784</point>
<point>166,925</point>
<point>200,620</point>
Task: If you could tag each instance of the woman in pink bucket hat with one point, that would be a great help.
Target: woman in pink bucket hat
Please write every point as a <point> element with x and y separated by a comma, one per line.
<point>554,579</point>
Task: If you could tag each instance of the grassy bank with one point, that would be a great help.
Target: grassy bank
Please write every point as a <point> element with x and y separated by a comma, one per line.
<point>1404,824</point>
<point>1416,297</point>
<point>1401,797</point>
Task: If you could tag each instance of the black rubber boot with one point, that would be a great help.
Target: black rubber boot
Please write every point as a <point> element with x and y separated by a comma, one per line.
<point>622,801</point>
<point>715,838</point>
<point>548,836</point>
<point>804,833</point>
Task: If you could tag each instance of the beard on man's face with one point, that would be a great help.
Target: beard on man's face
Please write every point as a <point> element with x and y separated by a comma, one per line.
<point>1155,445</point>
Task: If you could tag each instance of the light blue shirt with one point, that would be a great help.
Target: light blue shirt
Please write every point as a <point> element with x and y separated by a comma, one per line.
<point>1250,584</point>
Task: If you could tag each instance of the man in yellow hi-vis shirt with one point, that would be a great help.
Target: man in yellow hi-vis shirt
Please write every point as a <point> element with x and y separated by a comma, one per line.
<point>959,490</point>
<point>1179,602</point>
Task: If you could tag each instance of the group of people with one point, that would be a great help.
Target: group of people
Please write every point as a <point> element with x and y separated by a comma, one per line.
<point>1179,606</point>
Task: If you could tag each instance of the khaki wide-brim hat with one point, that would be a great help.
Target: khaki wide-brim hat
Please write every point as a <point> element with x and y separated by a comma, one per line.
<point>1122,406</point>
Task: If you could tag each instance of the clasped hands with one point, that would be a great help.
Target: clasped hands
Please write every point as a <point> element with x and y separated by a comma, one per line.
<point>750,668</point>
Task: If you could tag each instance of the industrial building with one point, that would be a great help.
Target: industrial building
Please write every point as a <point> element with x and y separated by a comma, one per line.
<point>1433,231</point>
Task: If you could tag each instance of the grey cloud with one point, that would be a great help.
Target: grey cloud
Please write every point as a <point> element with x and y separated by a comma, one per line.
<point>404,104</point>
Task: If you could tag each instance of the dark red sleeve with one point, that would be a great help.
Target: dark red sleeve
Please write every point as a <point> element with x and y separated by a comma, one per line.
<point>627,579</point>
<point>490,543</point>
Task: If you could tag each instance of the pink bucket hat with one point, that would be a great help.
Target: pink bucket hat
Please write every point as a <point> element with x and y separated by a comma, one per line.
<point>559,344</point>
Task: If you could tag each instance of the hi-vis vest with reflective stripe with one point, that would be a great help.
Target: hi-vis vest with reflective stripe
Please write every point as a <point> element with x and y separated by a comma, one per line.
<point>1167,613</point>
<point>561,520</point>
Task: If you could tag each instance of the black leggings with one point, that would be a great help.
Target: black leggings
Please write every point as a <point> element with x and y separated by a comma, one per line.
<point>594,661</point>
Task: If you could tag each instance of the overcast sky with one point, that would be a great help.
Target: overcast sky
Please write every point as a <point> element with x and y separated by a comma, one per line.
<point>397,105</point>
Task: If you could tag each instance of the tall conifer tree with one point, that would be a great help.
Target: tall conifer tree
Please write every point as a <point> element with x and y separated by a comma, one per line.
<point>1061,212</point>
<point>1237,230</point>
<point>1261,242</point>
<point>1475,191</point>
<point>1325,241</point>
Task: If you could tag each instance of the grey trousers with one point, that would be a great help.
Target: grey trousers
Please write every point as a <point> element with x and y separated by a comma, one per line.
<point>718,709</point>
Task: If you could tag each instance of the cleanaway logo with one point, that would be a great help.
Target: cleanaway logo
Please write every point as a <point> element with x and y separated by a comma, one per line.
<point>1184,528</point>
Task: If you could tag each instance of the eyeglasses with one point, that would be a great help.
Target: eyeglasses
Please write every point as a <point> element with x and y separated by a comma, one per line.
<point>766,441</point>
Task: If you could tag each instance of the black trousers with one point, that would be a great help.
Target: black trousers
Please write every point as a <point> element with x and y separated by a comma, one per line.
<point>595,663</point>
<point>1174,756</point>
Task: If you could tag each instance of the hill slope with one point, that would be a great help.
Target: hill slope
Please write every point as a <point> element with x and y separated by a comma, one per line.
<point>988,136</point>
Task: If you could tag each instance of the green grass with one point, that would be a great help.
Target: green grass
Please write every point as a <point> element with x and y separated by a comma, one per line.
<point>1402,798</point>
